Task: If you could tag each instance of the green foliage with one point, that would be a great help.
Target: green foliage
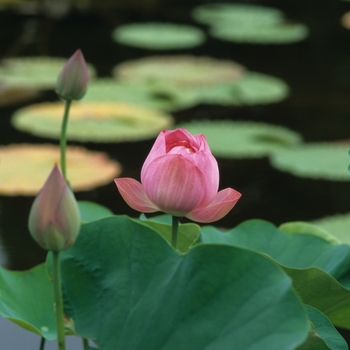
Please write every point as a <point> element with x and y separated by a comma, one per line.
<point>158,36</point>
<point>126,288</point>
<point>90,211</point>
<point>140,294</point>
<point>238,139</point>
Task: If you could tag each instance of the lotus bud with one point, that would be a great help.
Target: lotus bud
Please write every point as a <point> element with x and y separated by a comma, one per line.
<point>73,79</point>
<point>54,219</point>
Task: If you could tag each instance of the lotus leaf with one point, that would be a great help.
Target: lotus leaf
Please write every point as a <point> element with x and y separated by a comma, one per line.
<point>273,34</point>
<point>34,72</point>
<point>181,71</point>
<point>238,139</point>
<point>328,161</point>
<point>158,36</point>
<point>95,122</point>
<point>25,167</point>
<point>338,225</point>
<point>241,14</point>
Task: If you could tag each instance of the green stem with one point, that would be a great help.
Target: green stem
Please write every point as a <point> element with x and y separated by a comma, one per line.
<point>174,231</point>
<point>42,343</point>
<point>58,300</point>
<point>63,138</point>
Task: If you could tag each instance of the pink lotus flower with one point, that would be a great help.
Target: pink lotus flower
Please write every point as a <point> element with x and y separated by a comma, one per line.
<point>180,177</point>
<point>73,79</point>
<point>54,218</point>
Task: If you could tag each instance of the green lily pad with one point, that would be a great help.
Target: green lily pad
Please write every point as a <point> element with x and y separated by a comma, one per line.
<point>26,167</point>
<point>238,139</point>
<point>327,161</point>
<point>189,80</point>
<point>183,71</point>
<point>249,23</point>
<point>94,122</point>
<point>274,34</point>
<point>34,72</point>
<point>112,90</point>
<point>12,95</point>
<point>338,225</point>
<point>253,88</point>
<point>158,36</point>
<point>241,14</point>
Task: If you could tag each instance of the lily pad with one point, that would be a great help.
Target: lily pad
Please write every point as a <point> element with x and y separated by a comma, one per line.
<point>238,139</point>
<point>25,168</point>
<point>181,71</point>
<point>189,80</point>
<point>338,225</point>
<point>95,122</point>
<point>11,95</point>
<point>112,90</point>
<point>158,36</point>
<point>326,161</point>
<point>273,34</point>
<point>237,13</point>
<point>249,23</point>
<point>35,72</point>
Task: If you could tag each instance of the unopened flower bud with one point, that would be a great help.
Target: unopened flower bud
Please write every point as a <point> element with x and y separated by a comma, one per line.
<point>54,219</point>
<point>73,79</point>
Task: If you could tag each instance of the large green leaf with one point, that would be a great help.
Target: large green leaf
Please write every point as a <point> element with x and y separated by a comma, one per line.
<point>323,335</point>
<point>27,299</point>
<point>128,289</point>
<point>312,262</point>
<point>90,211</point>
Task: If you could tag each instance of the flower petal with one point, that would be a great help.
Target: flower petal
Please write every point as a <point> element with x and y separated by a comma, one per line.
<point>175,184</point>
<point>224,201</point>
<point>134,195</point>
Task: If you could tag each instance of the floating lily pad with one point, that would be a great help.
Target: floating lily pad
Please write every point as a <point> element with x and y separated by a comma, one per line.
<point>180,71</point>
<point>35,72</point>
<point>158,36</point>
<point>337,225</point>
<point>249,23</point>
<point>111,90</point>
<point>275,34</point>
<point>189,80</point>
<point>95,122</point>
<point>25,168</point>
<point>237,13</point>
<point>231,139</point>
<point>322,161</point>
<point>253,88</point>
<point>11,95</point>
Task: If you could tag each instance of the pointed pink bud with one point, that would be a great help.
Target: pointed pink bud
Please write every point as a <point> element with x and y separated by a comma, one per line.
<point>54,219</point>
<point>180,177</point>
<point>73,79</point>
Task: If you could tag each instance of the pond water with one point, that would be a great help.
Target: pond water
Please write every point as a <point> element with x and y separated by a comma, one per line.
<point>317,71</point>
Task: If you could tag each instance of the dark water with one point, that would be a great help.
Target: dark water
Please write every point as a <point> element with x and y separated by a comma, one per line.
<point>317,71</point>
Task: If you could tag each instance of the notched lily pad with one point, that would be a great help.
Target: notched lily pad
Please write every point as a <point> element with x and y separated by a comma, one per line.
<point>95,122</point>
<point>231,139</point>
<point>158,36</point>
<point>25,168</point>
<point>249,23</point>
<point>112,90</point>
<point>182,71</point>
<point>34,72</point>
<point>191,80</point>
<point>326,161</point>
